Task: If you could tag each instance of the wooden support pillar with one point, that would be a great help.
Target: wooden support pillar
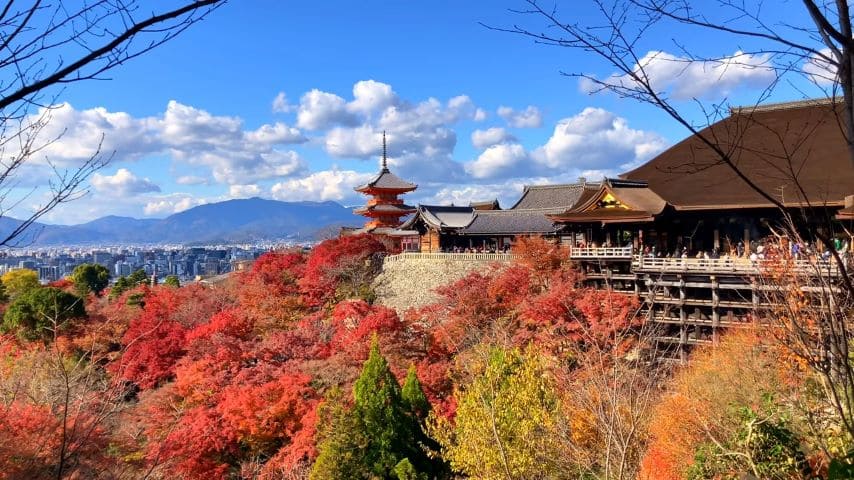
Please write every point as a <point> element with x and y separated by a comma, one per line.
<point>746,242</point>
<point>717,239</point>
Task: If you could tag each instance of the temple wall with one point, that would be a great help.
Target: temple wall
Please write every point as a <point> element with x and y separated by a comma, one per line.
<point>410,280</point>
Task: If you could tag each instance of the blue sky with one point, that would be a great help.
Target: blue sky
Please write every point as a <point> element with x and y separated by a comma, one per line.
<point>287,100</point>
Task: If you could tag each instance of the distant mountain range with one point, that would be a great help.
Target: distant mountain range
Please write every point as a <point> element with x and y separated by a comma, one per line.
<point>232,221</point>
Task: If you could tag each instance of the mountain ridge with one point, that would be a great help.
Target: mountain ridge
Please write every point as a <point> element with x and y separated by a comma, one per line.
<point>236,220</point>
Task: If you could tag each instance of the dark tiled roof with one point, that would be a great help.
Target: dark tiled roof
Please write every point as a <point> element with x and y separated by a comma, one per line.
<point>442,216</point>
<point>768,144</point>
<point>486,205</point>
<point>558,197</point>
<point>386,208</point>
<point>515,221</point>
<point>387,180</point>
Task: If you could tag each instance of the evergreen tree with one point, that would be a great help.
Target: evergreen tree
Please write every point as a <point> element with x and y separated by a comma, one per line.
<point>172,281</point>
<point>413,396</point>
<point>380,410</point>
<point>36,313</point>
<point>418,407</point>
<point>137,278</point>
<point>380,437</point>
<point>121,286</point>
<point>89,277</point>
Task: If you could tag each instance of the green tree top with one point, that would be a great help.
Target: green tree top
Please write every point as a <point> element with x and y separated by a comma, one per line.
<point>413,395</point>
<point>379,437</point>
<point>89,277</point>
<point>172,281</point>
<point>37,313</point>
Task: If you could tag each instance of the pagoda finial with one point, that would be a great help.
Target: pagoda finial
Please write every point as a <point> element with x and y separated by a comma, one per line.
<point>385,157</point>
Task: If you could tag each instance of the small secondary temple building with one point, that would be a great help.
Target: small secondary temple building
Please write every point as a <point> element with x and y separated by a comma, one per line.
<point>680,231</point>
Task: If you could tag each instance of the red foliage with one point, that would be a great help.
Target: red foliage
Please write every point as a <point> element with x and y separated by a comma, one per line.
<point>156,339</point>
<point>62,284</point>
<point>269,293</point>
<point>31,442</point>
<point>319,282</point>
<point>354,323</point>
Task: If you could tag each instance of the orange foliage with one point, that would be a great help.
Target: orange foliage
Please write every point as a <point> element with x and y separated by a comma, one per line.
<point>740,370</point>
<point>319,283</point>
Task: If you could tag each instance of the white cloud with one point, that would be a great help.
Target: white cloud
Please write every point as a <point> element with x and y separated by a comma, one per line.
<point>506,193</point>
<point>479,115</point>
<point>123,183</point>
<point>321,110</point>
<point>173,203</point>
<point>594,139</point>
<point>499,160</point>
<point>321,186</point>
<point>491,136</point>
<point>281,105</point>
<point>191,180</point>
<point>530,117</point>
<point>686,79</point>
<point>370,96</point>
<point>244,191</point>
<point>819,70</point>
<point>188,134</point>
<point>359,142</point>
<point>276,134</point>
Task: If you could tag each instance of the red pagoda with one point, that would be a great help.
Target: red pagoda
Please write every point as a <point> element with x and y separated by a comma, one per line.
<point>384,209</point>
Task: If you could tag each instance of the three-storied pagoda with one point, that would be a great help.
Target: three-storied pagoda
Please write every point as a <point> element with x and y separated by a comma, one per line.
<point>384,209</point>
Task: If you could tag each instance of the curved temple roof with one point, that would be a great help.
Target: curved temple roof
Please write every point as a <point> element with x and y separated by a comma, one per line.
<point>385,180</point>
<point>781,148</point>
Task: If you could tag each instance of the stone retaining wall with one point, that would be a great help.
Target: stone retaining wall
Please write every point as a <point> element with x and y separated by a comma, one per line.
<point>410,281</point>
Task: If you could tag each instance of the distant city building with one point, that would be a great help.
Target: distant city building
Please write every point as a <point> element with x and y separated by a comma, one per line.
<point>49,274</point>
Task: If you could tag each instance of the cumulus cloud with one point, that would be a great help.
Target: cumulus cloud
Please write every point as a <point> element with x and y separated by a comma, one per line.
<point>371,96</point>
<point>244,191</point>
<point>505,192</point>
<point>321,110</point>
<point>420,135</point>
<point>491,136</point>
<point>188,134</point>
<point>281,104</point>
<point>819,70</point>
<point>597,138</point>
<point>686,79</point>
<point>499,160</point>
<point>530,117</point>
<point>173,203</point>
<point>276,134</point>
<point>325,185</point>
<point>123,183</point>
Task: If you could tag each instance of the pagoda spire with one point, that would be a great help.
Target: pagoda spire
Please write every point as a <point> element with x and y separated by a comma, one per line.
<point>385,153</point>
<point>385,207</point>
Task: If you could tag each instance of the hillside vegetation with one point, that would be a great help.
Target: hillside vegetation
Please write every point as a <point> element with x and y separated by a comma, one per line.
<point>291,371</point>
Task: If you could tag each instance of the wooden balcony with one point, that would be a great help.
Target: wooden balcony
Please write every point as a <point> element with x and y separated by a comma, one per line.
<point>470,257</point>
<point>600,253</point>
<point>738,266</point>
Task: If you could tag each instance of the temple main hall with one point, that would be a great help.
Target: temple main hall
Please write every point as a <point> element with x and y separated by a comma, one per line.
<point>683,231</point>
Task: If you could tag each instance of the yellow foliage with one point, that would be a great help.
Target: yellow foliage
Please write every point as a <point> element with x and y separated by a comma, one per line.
<point>19,281</point>
<point>506,420</point>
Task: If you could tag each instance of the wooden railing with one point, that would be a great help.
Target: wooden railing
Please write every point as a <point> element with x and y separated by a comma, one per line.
<point>471,257</point>
<point>600,252</point>
<point>726,265</point>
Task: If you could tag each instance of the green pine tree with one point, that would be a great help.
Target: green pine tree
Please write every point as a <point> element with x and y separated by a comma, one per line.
<point>380,437</point>
<point>382,414</point>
